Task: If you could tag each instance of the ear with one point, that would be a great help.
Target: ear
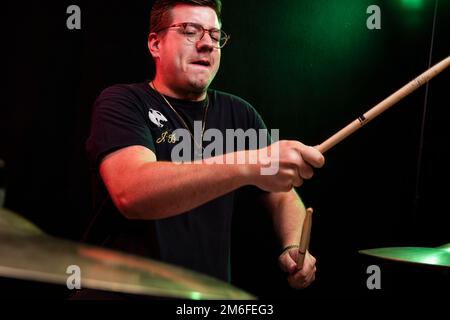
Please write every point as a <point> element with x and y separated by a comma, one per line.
<point>153,43</point>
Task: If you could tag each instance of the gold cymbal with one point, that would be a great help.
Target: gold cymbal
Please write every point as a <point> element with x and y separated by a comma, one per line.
<point>28,253</point>
<point>13,223</point>
<point>418,255</point>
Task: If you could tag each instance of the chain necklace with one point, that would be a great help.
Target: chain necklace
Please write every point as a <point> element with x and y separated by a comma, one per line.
<point>205,111</point>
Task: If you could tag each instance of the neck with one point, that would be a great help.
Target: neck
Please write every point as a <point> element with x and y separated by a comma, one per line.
<point>177,94</point>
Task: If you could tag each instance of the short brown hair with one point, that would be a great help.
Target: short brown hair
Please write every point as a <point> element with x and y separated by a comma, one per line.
<point>160,12</point>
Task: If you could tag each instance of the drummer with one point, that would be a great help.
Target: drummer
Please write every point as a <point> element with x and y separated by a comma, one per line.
<point>161,190</point>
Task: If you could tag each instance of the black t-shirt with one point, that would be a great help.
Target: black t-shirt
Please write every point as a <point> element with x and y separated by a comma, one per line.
<point>134,114</point>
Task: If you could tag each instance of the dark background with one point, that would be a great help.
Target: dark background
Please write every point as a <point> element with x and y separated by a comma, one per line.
<point>309,68</point>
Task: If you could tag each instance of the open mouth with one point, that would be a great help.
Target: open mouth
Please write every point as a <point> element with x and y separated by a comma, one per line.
<point>204,63</point>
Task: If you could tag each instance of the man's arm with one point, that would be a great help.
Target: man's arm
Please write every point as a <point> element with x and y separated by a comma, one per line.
<point>288,213</point>
<point>143,188</point>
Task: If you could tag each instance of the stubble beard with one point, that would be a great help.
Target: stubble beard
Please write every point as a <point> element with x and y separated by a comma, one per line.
<point>199,86</point>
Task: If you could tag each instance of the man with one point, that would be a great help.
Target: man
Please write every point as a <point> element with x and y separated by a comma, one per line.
<point>181,212</point>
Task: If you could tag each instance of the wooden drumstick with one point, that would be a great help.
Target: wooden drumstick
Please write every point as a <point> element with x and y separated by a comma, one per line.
<point>304,240</point>
<point>384,105</point>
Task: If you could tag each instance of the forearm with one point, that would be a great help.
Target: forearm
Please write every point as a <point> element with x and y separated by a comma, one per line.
<point>157,190</point>
<point>288,213</point>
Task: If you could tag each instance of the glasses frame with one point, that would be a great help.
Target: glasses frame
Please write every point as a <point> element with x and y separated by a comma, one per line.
<point>204,30</point>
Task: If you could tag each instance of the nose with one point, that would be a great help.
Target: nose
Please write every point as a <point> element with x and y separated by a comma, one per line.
<point>205,43</point>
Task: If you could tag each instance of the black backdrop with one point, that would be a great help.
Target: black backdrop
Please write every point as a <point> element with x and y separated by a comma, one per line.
<point>309,68</point>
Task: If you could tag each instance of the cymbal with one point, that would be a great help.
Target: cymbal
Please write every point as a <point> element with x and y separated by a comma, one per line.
<point>30,254</point>
<point>418,255</point>
<point>13,223</point>
<point>445,247</point>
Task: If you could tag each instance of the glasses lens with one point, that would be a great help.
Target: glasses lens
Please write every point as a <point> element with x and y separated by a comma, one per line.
<point>194,33</point>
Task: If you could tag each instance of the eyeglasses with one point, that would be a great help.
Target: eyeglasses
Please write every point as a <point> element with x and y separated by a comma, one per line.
<point>195,32</point>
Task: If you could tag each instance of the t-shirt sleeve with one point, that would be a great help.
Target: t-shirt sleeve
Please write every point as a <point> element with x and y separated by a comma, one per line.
<point>118,121</point>
<point>260,125</point>
<point>255,121</point>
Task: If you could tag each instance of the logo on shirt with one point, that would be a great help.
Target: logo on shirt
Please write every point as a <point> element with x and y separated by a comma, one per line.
<point>157,118</point>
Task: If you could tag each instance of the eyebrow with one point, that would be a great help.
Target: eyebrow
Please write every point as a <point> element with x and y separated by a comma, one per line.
<point>199,23</point>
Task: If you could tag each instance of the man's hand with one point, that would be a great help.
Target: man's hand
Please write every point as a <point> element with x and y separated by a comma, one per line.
<point>298,279</point>
<point>295,162</point>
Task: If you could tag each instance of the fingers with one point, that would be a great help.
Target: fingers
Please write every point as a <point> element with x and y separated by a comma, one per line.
<point>297,165</point>
<point>304,170</point>
<point>297,181</point>
<point>298,279</point>
<point>309,154</point>
<point>287,261</point>
<point>304,277</point>
<point>313,156</point>
<point>292,161</point>
<point>297,282</point>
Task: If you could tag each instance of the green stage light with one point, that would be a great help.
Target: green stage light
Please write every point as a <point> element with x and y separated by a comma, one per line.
<point>413,4</point>
<point>333,32</point>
